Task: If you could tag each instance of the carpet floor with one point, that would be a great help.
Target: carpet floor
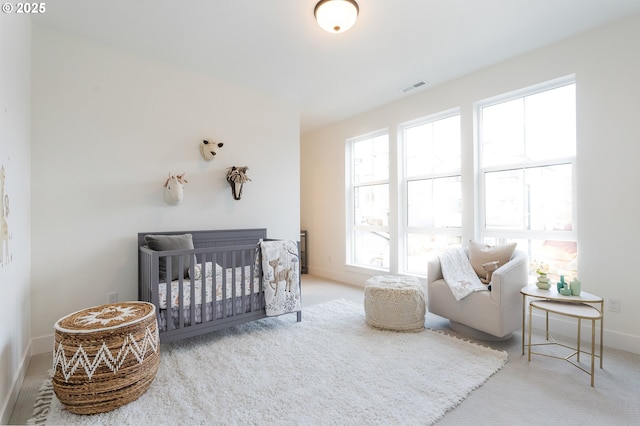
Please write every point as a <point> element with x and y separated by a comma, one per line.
<point>331,368</point>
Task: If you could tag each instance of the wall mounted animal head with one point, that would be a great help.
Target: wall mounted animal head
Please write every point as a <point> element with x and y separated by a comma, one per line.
<point>174,189</point>
<point>209,149</point>
<point>237,176</point>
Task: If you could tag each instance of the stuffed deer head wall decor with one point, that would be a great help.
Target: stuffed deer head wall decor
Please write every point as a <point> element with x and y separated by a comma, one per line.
<point>237,176</point>
<point>209,149</point>
<point>174,189</point>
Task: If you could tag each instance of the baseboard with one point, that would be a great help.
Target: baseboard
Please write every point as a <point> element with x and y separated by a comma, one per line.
<point>12,396</point>
<point>352,278</point>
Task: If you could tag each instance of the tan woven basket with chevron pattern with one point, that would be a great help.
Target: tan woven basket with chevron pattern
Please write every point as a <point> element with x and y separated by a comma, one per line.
<point>106,356</point>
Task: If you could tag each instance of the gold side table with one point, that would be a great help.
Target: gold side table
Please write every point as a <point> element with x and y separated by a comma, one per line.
<point>533,292</point>
<point>570,309</point>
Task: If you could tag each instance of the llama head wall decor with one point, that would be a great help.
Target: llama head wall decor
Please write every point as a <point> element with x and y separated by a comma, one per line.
<point>209,149</point>
<point>237,176</point>
<point>174,189</point>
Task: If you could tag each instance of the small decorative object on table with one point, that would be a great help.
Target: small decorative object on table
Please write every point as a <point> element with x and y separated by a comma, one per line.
<point>561,284</point>
<point>542,281</point>
<point>106,356</point>
<point>575,286</point>
<point>564,288</point>
<point>565,291</point>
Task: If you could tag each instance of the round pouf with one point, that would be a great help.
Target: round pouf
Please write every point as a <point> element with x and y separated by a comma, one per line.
<point>394,303</point>
<point>106,356</point>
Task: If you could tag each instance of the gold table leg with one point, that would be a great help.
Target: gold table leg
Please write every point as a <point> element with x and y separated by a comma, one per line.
<point>593,348</point>
<point>524,297</point>
<point>530,309</point>
<point>578,345</point>
<point>601,331</point>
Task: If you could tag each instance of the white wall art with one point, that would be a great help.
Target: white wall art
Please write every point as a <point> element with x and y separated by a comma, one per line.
<point>237,176</point>
<point>209,149</point>
<point>5,255</point>
<point>174,189</point>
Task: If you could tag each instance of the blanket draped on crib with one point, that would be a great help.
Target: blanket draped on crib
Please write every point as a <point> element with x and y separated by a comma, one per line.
<point>281,275</point>
<point>459,274</point>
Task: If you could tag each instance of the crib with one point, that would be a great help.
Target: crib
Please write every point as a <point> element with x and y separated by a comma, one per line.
<point>214,285</point>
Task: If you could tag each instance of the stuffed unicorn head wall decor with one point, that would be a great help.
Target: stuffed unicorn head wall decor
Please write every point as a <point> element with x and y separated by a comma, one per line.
<point>237,176</point>
<point>209,149</point>
<point>174,189</point>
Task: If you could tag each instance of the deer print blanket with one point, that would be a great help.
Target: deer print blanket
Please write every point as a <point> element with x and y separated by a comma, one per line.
<point>281,276</point>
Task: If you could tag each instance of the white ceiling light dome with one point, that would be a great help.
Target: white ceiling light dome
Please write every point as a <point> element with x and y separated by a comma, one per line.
<point>336,16</point>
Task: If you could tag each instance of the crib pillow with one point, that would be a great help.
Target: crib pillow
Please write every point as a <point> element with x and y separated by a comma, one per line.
<point>171,242</point>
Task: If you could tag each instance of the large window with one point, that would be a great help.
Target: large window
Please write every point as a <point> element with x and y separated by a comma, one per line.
<point>527,147</point>
<point>405,194</point>
<point>368,177</point>
<point>432,189</point>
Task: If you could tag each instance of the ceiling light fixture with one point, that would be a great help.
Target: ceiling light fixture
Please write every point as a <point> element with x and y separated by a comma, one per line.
<point>336,16</point>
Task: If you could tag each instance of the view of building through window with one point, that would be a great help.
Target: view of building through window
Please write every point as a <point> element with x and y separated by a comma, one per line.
<point>524,181</point>
<point>369,236</point>
<point>528,149</point>
<point>433,188</point>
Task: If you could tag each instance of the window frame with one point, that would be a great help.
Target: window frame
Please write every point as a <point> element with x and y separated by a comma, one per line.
<point>403,181</point>
<point>502,235</point>
<point>472,177</point>
<point>351,226</point>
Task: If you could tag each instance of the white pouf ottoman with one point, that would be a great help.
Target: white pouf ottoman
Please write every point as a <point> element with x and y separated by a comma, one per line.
<point>394,303</point>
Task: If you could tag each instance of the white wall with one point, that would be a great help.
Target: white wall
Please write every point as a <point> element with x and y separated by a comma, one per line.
<point>108,127</point>
<point>607,65</point>
<point>15,134</point>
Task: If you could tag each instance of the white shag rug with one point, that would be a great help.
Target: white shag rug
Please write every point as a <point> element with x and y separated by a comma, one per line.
<point>331,368</point>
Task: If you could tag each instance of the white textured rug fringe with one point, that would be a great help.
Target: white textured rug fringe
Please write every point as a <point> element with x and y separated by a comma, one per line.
<point>43,402</point>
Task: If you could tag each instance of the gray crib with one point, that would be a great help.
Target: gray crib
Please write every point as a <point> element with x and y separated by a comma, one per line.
<point>215,285</point>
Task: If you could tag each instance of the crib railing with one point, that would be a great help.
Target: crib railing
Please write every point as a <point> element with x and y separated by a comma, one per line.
<point>234,307</point>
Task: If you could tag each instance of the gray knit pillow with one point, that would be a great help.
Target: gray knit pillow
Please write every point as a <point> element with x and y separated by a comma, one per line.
<point>171,242</point>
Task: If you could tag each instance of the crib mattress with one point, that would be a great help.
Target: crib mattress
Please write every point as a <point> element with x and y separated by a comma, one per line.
<point>211,280</point>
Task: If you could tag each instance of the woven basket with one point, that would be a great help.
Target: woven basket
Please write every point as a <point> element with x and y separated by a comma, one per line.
<point>106,356</point>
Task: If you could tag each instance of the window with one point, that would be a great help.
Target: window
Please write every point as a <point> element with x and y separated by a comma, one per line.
<point>527,174</point>
<point>404,200</point>
<point>368,177</point>
<point>432,190</point>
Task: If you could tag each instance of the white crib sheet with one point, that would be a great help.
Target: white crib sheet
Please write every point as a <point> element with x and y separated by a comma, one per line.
<point>175,285</point>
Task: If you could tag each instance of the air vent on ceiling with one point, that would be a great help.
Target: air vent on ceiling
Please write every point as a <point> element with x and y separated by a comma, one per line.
<point>414,86</point>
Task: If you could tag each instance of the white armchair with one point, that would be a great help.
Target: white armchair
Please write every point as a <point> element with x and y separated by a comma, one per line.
<point>485,315</point>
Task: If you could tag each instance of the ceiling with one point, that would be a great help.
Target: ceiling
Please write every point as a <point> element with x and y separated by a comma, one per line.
<point>275,46</point>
